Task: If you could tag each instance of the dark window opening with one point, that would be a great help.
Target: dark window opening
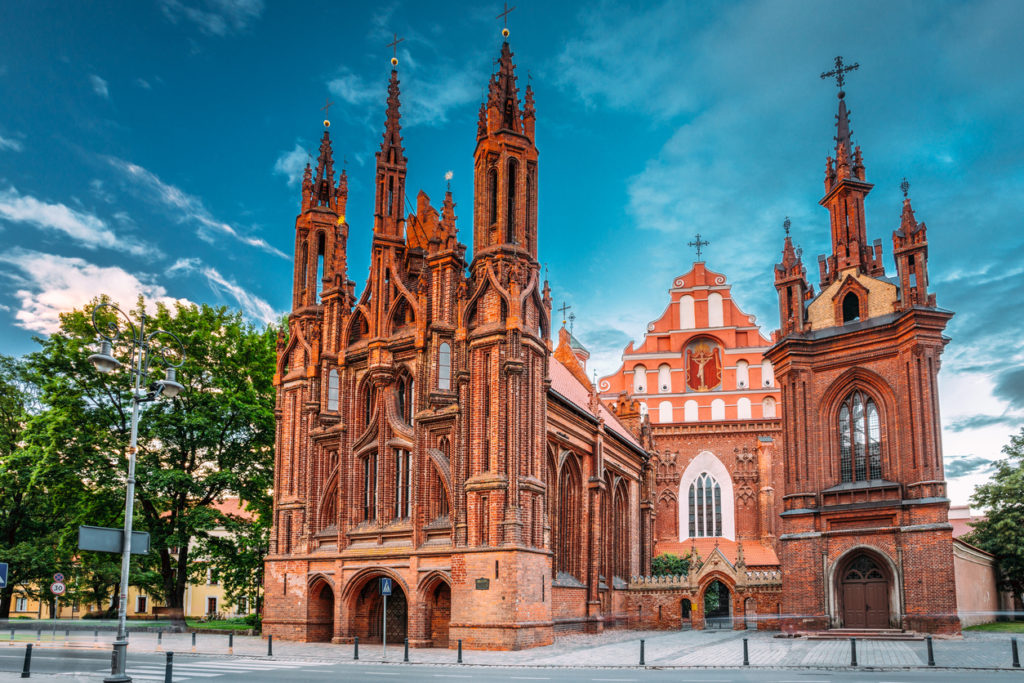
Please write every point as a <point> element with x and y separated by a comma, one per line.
<point>391,195</point>
<point>510,201</point>
<point>851,308</point>
<point>492,192</point>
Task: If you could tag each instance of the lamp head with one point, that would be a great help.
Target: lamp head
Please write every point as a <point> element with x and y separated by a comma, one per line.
<point>103,361</point>
<point>169,387</point>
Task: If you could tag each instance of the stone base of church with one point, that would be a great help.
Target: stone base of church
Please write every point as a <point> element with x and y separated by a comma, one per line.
<point>501,637</point>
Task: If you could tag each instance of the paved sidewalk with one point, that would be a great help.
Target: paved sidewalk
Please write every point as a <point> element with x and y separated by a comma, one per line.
<point>614,648</point>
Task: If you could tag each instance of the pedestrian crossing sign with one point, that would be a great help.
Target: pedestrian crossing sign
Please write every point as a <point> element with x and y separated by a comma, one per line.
<point>385,586</point>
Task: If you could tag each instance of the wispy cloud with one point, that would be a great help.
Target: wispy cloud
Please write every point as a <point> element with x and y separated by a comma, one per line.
<point>99,86</point>
<point>189,208</point>
<point>48,285</point>
<point>215,17</point>
<point>252,306</point>
<point>291,164</point>
<point>10,144</point>
<point>84,228</point>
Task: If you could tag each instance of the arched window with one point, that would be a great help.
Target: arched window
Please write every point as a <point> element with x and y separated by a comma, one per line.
<point>742,375</point>
<point>639,379</point>
<point>332,389</point>
<point>370,486</point>
<point>718,409</point>
<point>664,378</point>
<point>391,195</point>
<point>320,248</point>
<point>851,308</point>
<point>665,411</point>
<point>510,201</point>
<point>403,484</point>
<point>404,392</point>
<point>691,411</point>
<point>714,309</point>
<point>492,191</point>
<point>743,409</point>
<point>705,506</point>
<point>767,374</point>
<point>687,319</point>
<point>860,445</point>
<point>444,367</point>
<point>768,407</point>
<point>570,547</point>
<point>369,402</point>
<point>620,529</point>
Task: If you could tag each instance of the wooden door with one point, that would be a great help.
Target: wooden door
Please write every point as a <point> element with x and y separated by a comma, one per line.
<point>876,595</point>
<point>865,594</point>
<point>854,612</point>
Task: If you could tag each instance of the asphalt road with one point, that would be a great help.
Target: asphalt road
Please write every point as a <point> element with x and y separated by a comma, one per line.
<point>91,665</point>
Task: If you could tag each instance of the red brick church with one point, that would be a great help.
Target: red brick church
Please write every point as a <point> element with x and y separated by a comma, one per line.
<point>435,432</point>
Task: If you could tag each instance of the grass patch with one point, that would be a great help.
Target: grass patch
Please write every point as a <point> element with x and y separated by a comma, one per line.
<point>236,624</point>
<point>999,626</point>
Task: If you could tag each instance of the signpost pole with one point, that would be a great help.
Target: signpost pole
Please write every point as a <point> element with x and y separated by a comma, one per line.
<point>384,627</point>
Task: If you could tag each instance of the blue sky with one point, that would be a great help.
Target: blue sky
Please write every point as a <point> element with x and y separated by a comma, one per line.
<point>154,146</point>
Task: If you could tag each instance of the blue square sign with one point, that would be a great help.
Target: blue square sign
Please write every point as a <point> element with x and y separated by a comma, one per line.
<point>385,586</point>
<point>3,575</point>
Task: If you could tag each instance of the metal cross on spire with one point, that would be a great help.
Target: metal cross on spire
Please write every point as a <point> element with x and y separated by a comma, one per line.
<point>327,106</point>
<point>504,15</point>
<point>839,73</point>
<point>905,186</point>
<point>785,225</point>
<point>394,48</point>
<point>572,321</point>
<point>699,243</point>
<point>564,309</point>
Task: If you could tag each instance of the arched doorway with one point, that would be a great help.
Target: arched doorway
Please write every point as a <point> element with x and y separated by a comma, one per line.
<point>685,614</point>
<point>440,614</point>
<point>369,609</point>
<point>750,613</point>
<point>717,606</point>
<point>320,612</point>
<point>864,591</point>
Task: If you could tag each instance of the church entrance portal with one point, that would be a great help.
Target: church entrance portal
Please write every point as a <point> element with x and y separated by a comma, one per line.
<point>865,594</point>
<point>717,606</point>
<point>320,615</point>
<point>370,613</point>
<point>686,615</point>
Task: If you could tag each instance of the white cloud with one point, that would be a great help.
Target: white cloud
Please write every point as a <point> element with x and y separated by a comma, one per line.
<point>190,208</point>
<point>10,144</point>
<point>48,285</point>
<point>291,164</point>
<point>85,228</point>
<point>215,17</point>
<point>143,83</point>
<point>99,86</point>
<point>252,306</point>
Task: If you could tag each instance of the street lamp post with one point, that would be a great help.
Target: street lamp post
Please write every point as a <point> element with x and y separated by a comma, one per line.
<point>142,352</point>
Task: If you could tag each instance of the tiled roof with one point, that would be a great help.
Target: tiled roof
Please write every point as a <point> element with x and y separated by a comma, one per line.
<point>565,384</point>
<point>755,553</point>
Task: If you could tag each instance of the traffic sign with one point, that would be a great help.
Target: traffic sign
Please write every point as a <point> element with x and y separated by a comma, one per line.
<point>58,577</point>
<point>107,540</point>
<point>3,575</point>
<point>385,586</point>
<point>57,588</point>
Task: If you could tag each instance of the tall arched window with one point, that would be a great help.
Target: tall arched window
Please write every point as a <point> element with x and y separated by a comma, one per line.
<point>492,191</point>
<point>768,407</point>
<point>691,411</point>
<point>370,486</point>
<point>510,201</point>
<point>851,308</point>
<point>767,374</point>
<point>664,378</point>
<point>570,547</point>
<point>743,409</point>
<point>687,319</point>
<point>639,379</point>
<point>405,395</point>
<point>705,507</point>
<point>320,248</point>
<point>742,375</point>
<point>332,389</point>
<point>860,445</point>
<point>715,309</point>
<point>665,411</point>
<point>444,367</point>
<point>718,409</point>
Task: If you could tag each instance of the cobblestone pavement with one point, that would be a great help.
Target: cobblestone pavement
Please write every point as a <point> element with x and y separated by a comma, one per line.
<point>614,648</point>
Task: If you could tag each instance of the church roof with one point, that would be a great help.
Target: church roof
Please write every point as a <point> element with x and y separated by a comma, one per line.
<point>568,386</point>
<point>755,553</point>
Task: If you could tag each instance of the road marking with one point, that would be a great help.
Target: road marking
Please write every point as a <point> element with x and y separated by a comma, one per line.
<point>379,673</point>
<point>450,676</point>
<point>528,678</point>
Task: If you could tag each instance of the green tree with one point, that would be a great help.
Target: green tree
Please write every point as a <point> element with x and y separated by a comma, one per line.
<point>1002,531</point>
<point>236,557</point>
<point>669,564</point>
<point>214,440</point>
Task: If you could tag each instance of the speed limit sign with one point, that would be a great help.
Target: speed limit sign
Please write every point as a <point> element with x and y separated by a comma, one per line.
<point>57,588</point>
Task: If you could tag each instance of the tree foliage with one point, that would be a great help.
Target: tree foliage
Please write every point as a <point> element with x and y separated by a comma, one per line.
<point>668,564</point>
<point>1002,531</point>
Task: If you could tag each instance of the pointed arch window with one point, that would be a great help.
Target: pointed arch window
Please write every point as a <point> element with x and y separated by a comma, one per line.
<point>333,387</point>
<point>320,249</point>
<point>403,484</point>
<point>405,395</point>
<point>492,192</point>
<point>851,308</point>
<point>369,487</point>
<point>705,506</point>
<point>860,442</point>
<point>510,201</point>
<point>444,367</point>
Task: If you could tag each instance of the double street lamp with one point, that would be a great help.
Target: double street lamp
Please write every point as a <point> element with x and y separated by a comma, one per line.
<point>143,351</point>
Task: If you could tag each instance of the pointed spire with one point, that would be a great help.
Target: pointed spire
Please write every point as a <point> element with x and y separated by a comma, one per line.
<point>323,181</point>
<point>391,168</point>
<point>843,132</point>
<point>391,148</point>
<point>503,96</point>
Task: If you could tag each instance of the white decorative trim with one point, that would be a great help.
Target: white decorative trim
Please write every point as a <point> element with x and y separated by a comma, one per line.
<point>706,461</point>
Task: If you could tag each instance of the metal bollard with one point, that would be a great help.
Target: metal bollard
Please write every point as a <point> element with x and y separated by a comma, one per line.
<point>355,648</point>
<point>26,671</point>
<point>746,656</point>
<point>12,635</point>
<point>853,652</point>
<point>169,668</point>
<point>270,645</point>
<point>159,640</point>
<point>95,635</point>
<point>406,650</point>
<point>1015,653</point>
<point>459,660</point>
<point>642,652</point>
<point>931,653</point>
<point>231,643</point>
<point>39,635</point>
<point>193,641</point>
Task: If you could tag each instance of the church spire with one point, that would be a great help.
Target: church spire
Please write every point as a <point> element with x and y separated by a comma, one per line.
<point>391,167</point>
<point>503,96</point>
<point>323,180</point>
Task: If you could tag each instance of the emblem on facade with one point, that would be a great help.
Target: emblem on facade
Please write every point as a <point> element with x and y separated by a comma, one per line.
<point>703,366</point>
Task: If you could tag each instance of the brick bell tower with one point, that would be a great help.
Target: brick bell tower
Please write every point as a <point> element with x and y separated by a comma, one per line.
<point>501,592</point>
<point>865,543</point>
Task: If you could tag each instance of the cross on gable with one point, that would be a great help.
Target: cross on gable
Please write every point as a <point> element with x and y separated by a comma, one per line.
<point>699,243</point>
<point>839,72</point>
